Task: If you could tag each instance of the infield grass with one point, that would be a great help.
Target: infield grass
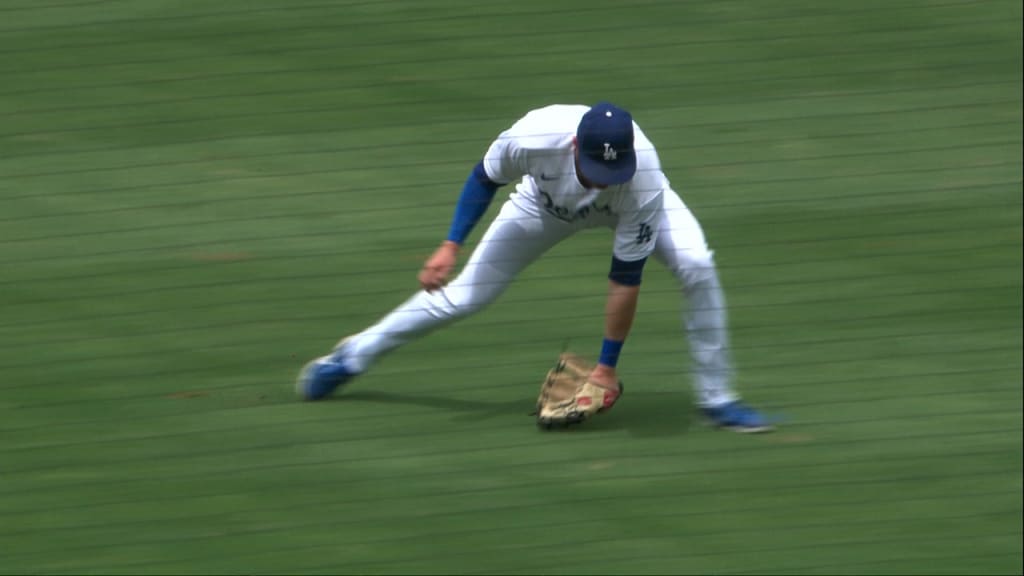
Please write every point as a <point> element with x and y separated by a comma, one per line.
<point>195,198</point>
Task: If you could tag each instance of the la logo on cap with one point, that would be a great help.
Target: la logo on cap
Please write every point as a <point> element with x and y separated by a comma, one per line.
<point>604,141</point>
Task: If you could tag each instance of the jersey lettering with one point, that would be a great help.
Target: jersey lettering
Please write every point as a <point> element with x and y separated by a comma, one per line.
<point>644,235</point>
<point>567,215</point>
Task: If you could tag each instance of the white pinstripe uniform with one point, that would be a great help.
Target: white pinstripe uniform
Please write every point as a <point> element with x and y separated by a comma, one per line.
<point>548,205</point>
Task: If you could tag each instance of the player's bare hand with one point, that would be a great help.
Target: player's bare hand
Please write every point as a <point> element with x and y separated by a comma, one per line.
<point>439,266</point>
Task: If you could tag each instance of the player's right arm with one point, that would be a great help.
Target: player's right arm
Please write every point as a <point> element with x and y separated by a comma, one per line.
<point>504,162</point>
<point>477,193</point>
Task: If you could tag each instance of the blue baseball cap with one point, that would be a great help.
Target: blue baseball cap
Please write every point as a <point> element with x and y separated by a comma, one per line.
<point>604,139</point>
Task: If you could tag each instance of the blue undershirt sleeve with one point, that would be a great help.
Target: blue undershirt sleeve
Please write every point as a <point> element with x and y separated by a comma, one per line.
<point>476,196</point>
<point>627,273</point>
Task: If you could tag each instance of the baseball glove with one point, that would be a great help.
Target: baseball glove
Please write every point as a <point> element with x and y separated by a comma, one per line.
<point>568,397</point>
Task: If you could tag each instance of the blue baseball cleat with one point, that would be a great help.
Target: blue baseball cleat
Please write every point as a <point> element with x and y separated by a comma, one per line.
<point>322,376</point>
<point>737,416</point>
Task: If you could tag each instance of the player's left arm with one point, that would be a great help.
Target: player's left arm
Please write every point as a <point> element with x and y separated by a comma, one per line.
<point>635,238</point>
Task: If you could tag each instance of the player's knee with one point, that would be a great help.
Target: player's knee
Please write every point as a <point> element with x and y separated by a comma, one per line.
<point>453,304</point>
<point>449,308</point>
<point>694,267</point>
<point>467,307</point>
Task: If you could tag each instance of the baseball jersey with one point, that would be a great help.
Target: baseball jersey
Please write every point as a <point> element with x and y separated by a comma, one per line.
<point>538,151</point>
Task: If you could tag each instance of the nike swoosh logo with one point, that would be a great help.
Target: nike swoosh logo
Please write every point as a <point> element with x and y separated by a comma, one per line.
<point>547,178</point>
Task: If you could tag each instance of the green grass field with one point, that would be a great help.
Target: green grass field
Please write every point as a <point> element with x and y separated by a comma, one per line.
<point>196,197</point>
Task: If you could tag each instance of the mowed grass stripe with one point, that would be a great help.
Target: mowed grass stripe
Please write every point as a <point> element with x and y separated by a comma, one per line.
<point>187,221</point>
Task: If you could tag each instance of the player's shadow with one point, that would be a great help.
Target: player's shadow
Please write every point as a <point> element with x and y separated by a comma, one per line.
<point>647,414</point>
<point>467,409</point>
<point>638,413</point>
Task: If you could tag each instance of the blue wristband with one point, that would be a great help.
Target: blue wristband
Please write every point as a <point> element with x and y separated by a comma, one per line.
<point>610,350</point>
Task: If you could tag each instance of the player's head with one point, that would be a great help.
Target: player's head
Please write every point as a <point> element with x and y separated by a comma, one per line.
<point>604,145</point>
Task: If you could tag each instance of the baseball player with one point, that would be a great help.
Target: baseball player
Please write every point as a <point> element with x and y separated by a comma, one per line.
<point>576,167</point>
